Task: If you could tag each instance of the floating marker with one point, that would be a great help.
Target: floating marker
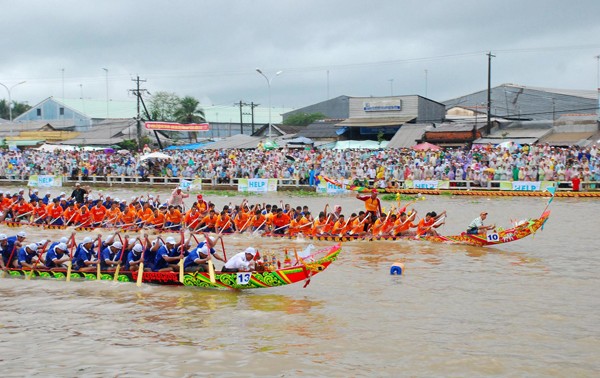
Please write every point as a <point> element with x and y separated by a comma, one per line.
<point>397,268</point>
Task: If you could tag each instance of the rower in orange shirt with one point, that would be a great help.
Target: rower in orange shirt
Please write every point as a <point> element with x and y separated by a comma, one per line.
<point>241,219</point>
<point>223,224</point>
<point>209,222</point>
<point>357,225</point>
<point>39,212</point>
<point>192,218</point>
<point>98,214</point>
<point>173,218</point>
<point>201,205</point>
<point>144,214</point>
<point>321,225</point>
<point>70,215</point>
<point>258,221</point>
<point>388,225</point>
<point>84,217</point>
<point>403,225</point>
<point>21,210</point>
<point>428,224</point>
<point>113,215</point>
<point>128,216</point>
<point>158,219</point>
<point>54,213</point>
<point>340,226</point>
<point>281,222</point>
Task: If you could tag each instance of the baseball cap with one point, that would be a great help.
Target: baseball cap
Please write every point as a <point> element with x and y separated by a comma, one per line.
<point>170,240</point>
<point>483,213</point>
<point>22,234</point>
<point>199,196</point>
<point>117,245</point>
<point>64,239</point>
<point>3,237</point>
<point>87,239</point>
<point>251,251</point>
<point>138,248</point>
<point>33,246</point>
<point>62,246</point>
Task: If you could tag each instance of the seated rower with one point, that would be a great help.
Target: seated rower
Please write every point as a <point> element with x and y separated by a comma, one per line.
<point>197,259</point>
<point>27,257</point>
<point>476,226</point>
<point>402,226</point>
<point>57,257</point>
<point>135,258</point>
<point>431,221</point>
<point>110,257</point>
<point>85,258</point>
<point>167,255</point>
<point>241,262</point>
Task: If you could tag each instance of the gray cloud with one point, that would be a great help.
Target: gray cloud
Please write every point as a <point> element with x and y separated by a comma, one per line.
<point>210,49</point>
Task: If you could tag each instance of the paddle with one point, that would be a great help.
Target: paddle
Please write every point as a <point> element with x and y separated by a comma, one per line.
<point>116,275</point>
<point>69,263</point>
<point>180,263</point>
<point>140,276</point>
<point>39,255</point>
<point>98,275</point>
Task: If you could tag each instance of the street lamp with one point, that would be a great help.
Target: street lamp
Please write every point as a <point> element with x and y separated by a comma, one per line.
<point>106,70</point>
<point>8,89</point>
<point>269,85</point>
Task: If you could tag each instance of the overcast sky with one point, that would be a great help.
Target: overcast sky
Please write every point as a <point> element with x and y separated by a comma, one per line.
<point>211,49</point>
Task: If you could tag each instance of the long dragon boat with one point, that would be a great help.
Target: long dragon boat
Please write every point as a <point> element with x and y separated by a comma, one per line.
<point>303,269</point>
<point>519,231</point>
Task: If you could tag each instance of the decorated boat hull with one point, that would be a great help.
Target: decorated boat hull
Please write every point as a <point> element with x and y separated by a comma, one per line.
<point>302,270</point>
<point>520,231</point>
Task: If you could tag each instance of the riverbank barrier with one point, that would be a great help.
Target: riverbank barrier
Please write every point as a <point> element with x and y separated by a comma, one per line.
<point>452,187</point>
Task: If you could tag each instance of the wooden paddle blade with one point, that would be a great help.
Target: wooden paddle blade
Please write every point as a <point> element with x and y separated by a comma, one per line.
<point>69,267</point>
<point>140,276</point>
<point>28,275</point>
<point>98,275</point>
<point>116,276</point>
<point>211,272</point>
<point>181,271</point>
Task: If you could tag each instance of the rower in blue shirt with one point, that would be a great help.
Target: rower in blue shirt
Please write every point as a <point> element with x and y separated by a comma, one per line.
<point>111,256</point>
<point>27,256</point>
<point>57,256</point>
<point>167,255</point>
<point>85,258</point>
<point>135,258</point>
<point>197,259</point>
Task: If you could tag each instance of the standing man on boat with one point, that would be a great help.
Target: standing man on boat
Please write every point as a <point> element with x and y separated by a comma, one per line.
<point>177,197</point>
<point>476,226</point>
<point>79,194</point>
<point>372,203</point>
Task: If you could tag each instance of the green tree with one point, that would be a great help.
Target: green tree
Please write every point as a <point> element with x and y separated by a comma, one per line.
<point>188,111</point>
<point>18,109</point>
<point>163,105</point>
<point>303,119</point>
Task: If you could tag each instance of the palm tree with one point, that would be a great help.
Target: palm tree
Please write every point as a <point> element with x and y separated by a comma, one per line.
<point>189,112</point>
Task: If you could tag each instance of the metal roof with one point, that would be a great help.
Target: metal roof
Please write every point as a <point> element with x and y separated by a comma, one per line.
<point>320,130</point>
<point>567,139</point>
<point>488,140</point>
<point>376,121</point>
<point>407,135</point>
<point>521,102</point>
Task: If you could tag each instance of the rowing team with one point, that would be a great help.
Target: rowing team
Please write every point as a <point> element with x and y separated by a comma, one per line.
<point>128,253</point>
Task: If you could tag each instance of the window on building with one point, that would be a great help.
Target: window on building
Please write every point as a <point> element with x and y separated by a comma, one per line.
<point>61,111</point>
<point>39,112</point>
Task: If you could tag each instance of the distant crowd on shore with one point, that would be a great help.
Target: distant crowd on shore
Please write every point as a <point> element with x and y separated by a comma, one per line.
<point>510,162</point>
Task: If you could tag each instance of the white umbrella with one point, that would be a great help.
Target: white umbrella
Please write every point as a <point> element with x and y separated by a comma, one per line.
<point>156,155</point>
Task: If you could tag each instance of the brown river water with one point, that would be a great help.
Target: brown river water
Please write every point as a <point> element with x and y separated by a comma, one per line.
<point>527,308</point>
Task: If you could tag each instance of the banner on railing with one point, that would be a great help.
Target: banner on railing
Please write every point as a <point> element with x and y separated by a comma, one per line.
<point>44,181</point>
<point>327,187</point>
<point>427,184</point>
<point>174,126</point>
<point>526,186</point>
<point>257,185</point>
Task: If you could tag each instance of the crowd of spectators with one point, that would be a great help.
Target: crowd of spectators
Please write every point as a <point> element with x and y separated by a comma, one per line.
<point>510,162</point>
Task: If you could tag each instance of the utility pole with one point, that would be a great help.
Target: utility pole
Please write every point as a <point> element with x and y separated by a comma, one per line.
<point>137,91</point>
<point>252,106</point>
<point>489,93</point>
<point>241,118</point>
